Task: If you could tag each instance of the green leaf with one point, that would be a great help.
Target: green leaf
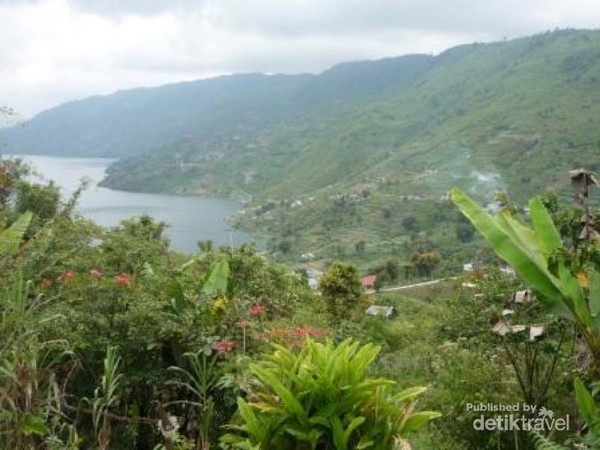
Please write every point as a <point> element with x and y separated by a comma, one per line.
<point>594,296</point>
<point>252,423</point>
<point>410,393</point>
<point>354,424</point>
<point>337,429</point>
<point>418,420</point>
<point>34,426</point>
<point>518,246</point>
<point>585,403</point>
<point>548,236</point>
<point>217,280</point>
<point>365,442</point>
<point>288,400</point>
<point>10,239</point>
<point>574,294</point>
<point>175,292</point>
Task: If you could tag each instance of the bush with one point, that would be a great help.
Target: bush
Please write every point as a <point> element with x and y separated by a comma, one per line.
<point>322,398</point>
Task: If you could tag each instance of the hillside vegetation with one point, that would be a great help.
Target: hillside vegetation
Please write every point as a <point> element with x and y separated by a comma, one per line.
<point>487,115</point>
<point>108,340</point>
<point>364,152</point>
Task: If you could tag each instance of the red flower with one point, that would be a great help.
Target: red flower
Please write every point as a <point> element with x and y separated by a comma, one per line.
<point>223,346</point>
<point>301,332</point>
<point>69,275</point>
<point>95,273</point>
<point>257,310</point>
<point>242,324</point>
<point>123,279</point>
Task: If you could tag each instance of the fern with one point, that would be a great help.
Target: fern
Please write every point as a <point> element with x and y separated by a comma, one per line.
<point>11,238</point>
<point>543,443</point>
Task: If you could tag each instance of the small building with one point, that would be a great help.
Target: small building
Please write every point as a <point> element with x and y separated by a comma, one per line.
<point>313,276</point>
<point>369,281</point>
<point>507,270</point>
<point>308,256</point>
<point>524,296</point>
<point>380,311</point>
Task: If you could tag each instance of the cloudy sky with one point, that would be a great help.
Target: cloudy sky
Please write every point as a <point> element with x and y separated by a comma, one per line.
<point>53,51</point>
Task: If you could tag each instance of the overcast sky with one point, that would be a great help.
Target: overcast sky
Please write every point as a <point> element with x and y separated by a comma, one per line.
<point>53,51</point>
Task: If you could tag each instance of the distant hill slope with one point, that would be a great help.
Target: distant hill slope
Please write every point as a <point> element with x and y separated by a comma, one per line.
<point>141,120</point>
<point>510,115</point>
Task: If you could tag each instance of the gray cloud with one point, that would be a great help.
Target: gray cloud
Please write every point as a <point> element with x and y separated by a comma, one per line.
<point>57,50</point>
<point>115,8</point>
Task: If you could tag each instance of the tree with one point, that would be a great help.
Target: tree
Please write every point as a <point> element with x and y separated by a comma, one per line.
<point>341,289</point>
<point>464,230</point>
<point>425,263</point>
<point>360,247</point>
<point>409,223</point>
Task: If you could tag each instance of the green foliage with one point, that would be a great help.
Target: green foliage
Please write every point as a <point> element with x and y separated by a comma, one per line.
<point>29,393</point>
<point>11,238</point>
<point>542,443</point>
<point>537,256</point>
<point>91,289</point>
<point>425,262</point>
<point>217,280</point>
<point>322,397</point>
<point>341,289</point>
<point>403,135</point>
<point>590,412</point>
<point>200,383</point>
<point>106,396</point>
<point>589,409</point>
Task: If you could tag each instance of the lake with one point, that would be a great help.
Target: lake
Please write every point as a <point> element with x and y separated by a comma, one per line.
<point>190,219</point>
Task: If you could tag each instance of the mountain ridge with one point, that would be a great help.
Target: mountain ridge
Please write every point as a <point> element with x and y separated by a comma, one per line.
<point>140,120</point>
<point>320,169</point>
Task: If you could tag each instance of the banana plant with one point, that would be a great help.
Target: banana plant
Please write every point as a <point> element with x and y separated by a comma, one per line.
<point>216,283</point>
<point>539,259</point>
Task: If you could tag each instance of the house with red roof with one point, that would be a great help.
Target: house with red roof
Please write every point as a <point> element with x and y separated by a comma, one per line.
<point>368,282</point>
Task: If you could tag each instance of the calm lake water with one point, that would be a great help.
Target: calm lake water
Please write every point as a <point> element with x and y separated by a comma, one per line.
<point>190,219</point>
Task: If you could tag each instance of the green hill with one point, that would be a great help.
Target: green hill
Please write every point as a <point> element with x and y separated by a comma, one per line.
<point>141,120</point>
<point>512,115</point>
<point>359,151</point>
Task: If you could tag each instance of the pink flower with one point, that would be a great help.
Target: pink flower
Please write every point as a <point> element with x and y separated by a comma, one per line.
<point>123,279</point>
<point>223,346</point>
<point>257,310</point>
<point>95,273</point>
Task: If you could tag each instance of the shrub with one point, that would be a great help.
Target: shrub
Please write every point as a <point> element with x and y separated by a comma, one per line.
<point>322,398</point>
